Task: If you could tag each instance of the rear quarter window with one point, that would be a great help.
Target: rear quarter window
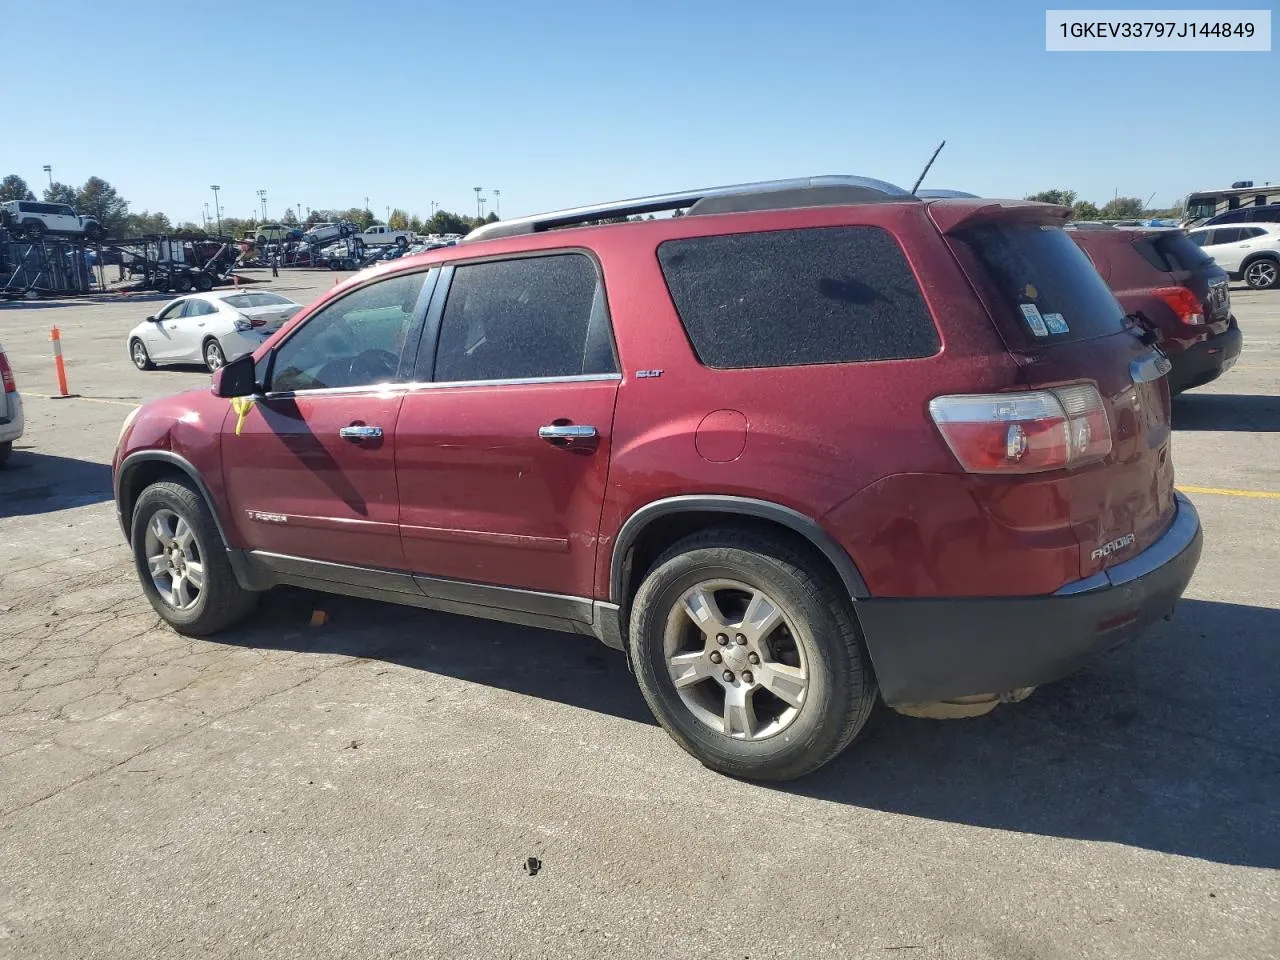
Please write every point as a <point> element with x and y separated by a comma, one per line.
<point>1041,287</point>
<point>1172,252</point>
<point>797,297</point>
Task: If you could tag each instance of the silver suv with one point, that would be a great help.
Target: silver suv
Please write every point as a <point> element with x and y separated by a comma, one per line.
<point>33,220</point>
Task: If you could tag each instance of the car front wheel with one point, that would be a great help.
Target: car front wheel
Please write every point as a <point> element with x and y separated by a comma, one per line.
<point>1262,274</point>
<point>182,562</point>
<point>749,657</point>
<point>138,354</point>
<point>213,355</point>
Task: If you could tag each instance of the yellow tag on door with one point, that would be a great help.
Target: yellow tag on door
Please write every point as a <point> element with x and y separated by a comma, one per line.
<point>242,406</point>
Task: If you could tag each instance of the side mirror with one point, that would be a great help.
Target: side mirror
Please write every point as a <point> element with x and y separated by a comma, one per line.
<point>236,379</point>
<point>151,320</point>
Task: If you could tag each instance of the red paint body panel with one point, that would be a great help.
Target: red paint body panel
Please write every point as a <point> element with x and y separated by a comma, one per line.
<point>337,497</point>
<point>484,498</point>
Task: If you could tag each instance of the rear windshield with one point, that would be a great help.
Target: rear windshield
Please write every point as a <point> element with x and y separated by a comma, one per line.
<point>244,300</point>
<point>1040,286</point>
<point>1172,251</point>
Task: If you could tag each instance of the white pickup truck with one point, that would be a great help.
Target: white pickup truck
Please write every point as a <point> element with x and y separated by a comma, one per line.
<point>380,236</point>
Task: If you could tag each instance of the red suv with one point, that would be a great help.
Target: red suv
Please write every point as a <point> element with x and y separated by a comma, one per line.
<point>1168,283</point>
<point>814,443</point>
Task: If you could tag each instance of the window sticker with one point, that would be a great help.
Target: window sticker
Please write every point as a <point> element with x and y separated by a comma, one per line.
<point>1034,320</point>
<point>1055,323</point>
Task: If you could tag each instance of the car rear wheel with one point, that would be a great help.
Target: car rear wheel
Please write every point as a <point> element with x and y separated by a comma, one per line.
<point>93,232</point>
<point>204,282</point>
<point>138,354</point>
<point>182,283</point>
<point>402,241</point>
<point>6,448</point>
<point>749,657</point>
<point>213,355</point>
<point>1262,274</point>
<point>182,562</point>
<point>34,229</point>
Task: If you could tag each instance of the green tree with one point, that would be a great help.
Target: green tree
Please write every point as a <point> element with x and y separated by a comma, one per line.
<point>314,217</point>
<point>1084,210</point>
<point>1064,198</point>
<point>1123,208</point>
<point>399,220</point>
<point>98,199</point>
<point>62,193</point>
<point>145,224</point>
<point>13,187</point>
<point>491,218</point>
<point>444,221</point>
<point>290,219</point>
<point>416,225</point>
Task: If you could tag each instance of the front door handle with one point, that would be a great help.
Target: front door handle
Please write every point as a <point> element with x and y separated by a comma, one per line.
<point>360,432</point>
<point>563,434</point>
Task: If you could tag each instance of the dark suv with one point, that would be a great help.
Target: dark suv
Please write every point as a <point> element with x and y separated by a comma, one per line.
<point>1166,281</point>
<point>814,443</point>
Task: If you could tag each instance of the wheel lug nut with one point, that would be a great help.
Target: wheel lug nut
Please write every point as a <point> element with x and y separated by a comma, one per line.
<point>747,677</point>
<point>753,657</point>
<point>740,640</point>
<point>728,676</point>
<point>721,639</point>
<point>715,656</point>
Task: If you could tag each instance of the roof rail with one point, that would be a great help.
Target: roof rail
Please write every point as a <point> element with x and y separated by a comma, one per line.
<point>761,195</point>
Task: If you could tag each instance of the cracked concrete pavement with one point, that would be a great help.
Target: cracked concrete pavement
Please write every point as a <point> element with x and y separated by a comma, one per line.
<point>372,786</point>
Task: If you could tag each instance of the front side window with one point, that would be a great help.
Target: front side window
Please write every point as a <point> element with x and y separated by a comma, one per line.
<point>1199,237</point>
<point>199,308</point>
<point>525,319</point>
<point>173,310</point>
<point>793,297</point>
<point>355,341</point>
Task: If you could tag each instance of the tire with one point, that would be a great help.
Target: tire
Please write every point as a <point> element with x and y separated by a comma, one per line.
<point>262,240</point>
<point>138,354</point>
<point>1262,274</point>
<point>6,448</point>
<point>182,283</point>
<point>214,358</point>
<point>204,282</point>
<point>175,508</point>
<point>34,229</point>
<point>93,232</point>
<point>813,653</point>
<point>402,241</point>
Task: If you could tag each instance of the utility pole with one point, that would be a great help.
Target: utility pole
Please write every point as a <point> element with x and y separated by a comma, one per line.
<point>262,197</point>
<point>433,208</point>
<point>477,190</point>
<point>217,211</point>
<point>207,218</point>
<point>497,202</point>
<point>49,170</point>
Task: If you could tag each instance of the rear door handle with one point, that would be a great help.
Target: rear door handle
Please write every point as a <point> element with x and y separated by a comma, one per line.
<point>360,432</point>
<point>567,432</point>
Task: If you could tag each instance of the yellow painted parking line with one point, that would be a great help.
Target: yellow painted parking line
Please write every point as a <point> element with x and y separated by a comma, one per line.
<point>117,403</point>
<point>1226,492</point>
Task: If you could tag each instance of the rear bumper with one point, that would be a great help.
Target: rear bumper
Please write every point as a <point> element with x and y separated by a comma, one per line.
<point>1205,361</point>
<point>12,422</point>
<point>931,649</point>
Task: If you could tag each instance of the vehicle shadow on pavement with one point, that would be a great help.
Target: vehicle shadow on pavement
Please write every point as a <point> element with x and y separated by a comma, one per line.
<point>33,483</point>
<point>1171,743</point>
<point>564,667</point>
<point>1253,413</point>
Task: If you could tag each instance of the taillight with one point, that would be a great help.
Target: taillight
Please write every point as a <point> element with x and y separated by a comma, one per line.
<point>1024,432</point>
<point>244,324</point>
<point>1182,302</point>
<point>6,374</point>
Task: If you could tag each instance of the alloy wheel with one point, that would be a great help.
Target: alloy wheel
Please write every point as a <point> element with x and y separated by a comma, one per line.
<point>139,355</point>
<point>1262,274</point>
<point>736,660</point>
<point>174,560</point>
<point>213,356</point>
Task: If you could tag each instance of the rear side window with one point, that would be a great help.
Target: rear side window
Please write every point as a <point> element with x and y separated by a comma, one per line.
<point>525,319</point>
<point>1045,289</point>
<point>1172,252</point>
<point>795,297</point>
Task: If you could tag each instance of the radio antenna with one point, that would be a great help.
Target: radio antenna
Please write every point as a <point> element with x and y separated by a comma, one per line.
<point>920,179</point>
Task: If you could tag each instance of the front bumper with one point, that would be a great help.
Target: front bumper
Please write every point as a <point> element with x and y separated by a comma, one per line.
<point>930,649</point>
<point>1205,361</point>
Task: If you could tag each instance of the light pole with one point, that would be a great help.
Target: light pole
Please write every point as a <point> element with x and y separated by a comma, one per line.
<point>217,211</point>
<point>49,170</point>
<point>262,198</point>
<point>388,215</point>
<point>206,215</point>
<point>477,190</point>
<point>299,209</point>
<point>497,202</point>
<point>483,201</point>
<point>433,208</point>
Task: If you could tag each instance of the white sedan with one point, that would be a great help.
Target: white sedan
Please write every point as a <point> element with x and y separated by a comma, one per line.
<point>209,328</point>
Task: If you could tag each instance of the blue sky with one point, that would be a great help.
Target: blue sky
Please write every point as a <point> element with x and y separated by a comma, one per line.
<point>561,103</point>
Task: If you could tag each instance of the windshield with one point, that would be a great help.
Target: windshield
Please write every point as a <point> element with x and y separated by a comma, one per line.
<point>1199,208</point>
<point>1041,287</point>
